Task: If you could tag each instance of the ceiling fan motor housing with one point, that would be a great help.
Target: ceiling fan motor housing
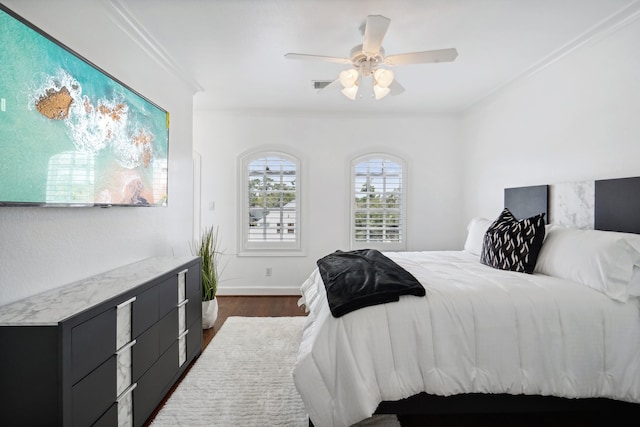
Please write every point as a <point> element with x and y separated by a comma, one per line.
<point>366,62</point>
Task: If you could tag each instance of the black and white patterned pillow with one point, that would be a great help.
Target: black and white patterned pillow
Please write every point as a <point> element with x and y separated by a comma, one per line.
<point>513,245</point>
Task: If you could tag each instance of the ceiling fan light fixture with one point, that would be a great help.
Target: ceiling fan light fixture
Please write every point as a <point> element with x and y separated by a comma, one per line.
<point>348,78</point>
<point>383,77</point>
<point>350,92</point>
<point>365,80</point>
<point>380,92</point>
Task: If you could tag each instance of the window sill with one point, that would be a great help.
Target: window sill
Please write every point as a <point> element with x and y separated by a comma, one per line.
<point>271,253</point>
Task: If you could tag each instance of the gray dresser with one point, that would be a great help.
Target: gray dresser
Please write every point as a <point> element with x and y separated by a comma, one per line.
<point>102,351</point>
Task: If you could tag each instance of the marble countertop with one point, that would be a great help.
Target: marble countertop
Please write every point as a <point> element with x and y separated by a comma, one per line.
<point>56,305</point>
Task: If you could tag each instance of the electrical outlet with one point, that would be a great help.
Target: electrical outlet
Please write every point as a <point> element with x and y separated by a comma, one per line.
<point>268,271</point>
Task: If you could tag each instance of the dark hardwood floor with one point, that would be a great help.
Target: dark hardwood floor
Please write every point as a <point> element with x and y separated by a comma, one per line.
<point>275,306</point>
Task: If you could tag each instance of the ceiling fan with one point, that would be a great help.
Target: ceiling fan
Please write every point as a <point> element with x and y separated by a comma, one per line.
<point>366,76</point>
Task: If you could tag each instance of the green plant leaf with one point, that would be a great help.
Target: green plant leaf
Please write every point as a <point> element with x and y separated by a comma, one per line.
<point>208,250</point>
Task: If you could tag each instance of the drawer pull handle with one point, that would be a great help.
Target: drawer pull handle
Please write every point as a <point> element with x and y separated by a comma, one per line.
<point>129,301</point>
<point>183,302</point>
<point>182,335</point>
<point>183,271</point>
<point>127,391</point>
<point>125,347</point>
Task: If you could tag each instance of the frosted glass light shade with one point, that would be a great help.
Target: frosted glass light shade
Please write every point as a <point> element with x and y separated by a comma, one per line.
<point>383,77</point>
<point>350,92</point>
<point>348,78</point>
<point>380,92</point>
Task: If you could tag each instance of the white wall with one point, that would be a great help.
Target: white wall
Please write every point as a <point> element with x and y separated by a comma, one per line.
<point>326,143</point>
<point>577,119</point>
<point>43,248</point>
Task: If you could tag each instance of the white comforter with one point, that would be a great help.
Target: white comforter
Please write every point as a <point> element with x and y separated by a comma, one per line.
<point>477,330</point>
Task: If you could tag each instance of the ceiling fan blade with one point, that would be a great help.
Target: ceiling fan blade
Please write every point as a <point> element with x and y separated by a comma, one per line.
<point>374,31</point>
<point>318,58</point>
<point>334,86</point>
<point>395,88</point>
<point>442,55</point>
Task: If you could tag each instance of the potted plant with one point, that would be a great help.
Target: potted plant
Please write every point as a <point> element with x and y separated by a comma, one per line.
<point>208,250</point>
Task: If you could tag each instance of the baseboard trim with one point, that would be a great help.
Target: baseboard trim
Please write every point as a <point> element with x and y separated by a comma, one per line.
<point>257,291</point>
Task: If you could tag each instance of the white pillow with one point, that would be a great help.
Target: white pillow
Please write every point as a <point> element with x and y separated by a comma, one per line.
<point>634,240</point>
<point>477,228</point>
<point>602,260</point>
<point>634,285</point>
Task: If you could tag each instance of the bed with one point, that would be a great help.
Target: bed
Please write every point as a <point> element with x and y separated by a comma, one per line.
<point>482,339</point>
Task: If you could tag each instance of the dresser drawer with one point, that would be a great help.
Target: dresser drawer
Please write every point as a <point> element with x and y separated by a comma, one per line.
<point>144,311</point>
<point>168,295</point>
<point>94,394</point>
<point>168,327</point>
<point>194,310</point>
<point>193,283</point>
<point>145,352</point>
<point>194,341</point>
<point>154,384</point>
<point>92,342</point>
<point>109,418</point>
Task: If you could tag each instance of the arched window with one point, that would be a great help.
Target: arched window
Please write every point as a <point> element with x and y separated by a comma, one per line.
<point>270,220</point>
<point>378,202</point>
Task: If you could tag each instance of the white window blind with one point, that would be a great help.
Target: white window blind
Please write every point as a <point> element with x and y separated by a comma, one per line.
<point>271,216</point>
<point>378,203</point>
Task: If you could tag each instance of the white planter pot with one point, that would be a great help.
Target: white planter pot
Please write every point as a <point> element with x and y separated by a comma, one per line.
<point>209,313</point>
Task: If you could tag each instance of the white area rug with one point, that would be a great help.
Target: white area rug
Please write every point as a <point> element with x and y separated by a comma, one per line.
<point>243,378</point>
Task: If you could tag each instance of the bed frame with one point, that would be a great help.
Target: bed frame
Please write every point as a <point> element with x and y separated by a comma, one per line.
<point>525,202</point>
<point>617,204</point>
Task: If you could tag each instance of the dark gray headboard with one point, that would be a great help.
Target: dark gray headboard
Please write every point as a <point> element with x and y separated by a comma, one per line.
<point>617,205</point>
<point>525,202</point>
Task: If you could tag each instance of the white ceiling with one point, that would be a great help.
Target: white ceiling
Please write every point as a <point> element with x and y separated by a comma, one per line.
<point>232,51</point>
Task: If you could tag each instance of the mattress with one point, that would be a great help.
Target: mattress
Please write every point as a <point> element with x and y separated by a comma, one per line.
<point>478,330</point>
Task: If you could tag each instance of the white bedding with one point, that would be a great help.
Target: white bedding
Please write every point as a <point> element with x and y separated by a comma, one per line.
<point>477,330</point>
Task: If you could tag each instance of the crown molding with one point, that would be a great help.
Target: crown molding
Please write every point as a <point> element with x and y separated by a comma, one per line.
<point>599,31</point>
<point>128,22</point>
